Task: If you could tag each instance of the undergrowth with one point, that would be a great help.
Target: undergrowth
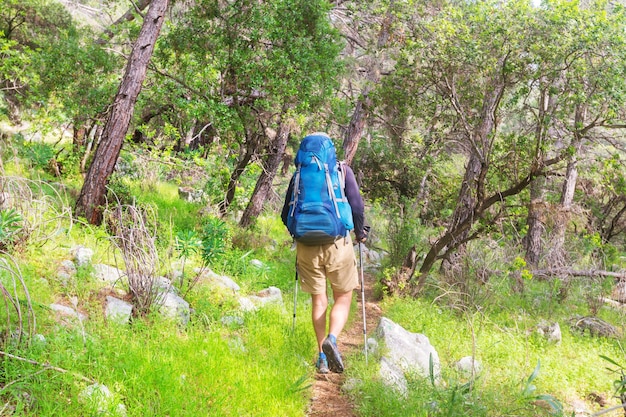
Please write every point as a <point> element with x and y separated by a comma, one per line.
<point>230,362</point>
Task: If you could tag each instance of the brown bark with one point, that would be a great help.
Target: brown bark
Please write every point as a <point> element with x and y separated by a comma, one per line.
<point>454,236</point>
<point>358,121</point>
<point>244,159</point>
<point>356,127</point>
<point>472,192</point>
<point>558,256</point>
<point>537,207</point>
<point>93,194</point>
<point>613,229</point>
<point>264,183</point>
<point>535,222</point>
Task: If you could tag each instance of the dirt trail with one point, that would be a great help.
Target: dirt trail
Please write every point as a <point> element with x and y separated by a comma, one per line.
<point>327,399</point>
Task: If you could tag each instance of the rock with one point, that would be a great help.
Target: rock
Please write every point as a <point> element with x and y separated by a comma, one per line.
<point>175,307</point>
<point>220,280</point>
<point>68,312</point>
<point>405,352</point>
<point>258,264</point>
<point>551,331</point>
<point>102,400</point>
<point>110,275</point>
<point>82,256</point>
<point>190,194</point>
<point>246,305</point>
<point>271,295</point>
<point>66,271</point>
<point>393,376</point>
<point>468,366</point>
<point>164,285</point>
<point>118,311</point>
<point>232,321</point>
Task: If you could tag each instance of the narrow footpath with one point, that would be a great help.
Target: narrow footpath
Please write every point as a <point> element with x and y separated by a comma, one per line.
<point>327,399</point>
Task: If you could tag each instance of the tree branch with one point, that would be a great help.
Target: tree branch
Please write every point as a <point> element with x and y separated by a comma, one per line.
<point>46,366</point>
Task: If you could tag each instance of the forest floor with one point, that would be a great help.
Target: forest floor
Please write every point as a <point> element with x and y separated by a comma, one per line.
<point>328,400</point>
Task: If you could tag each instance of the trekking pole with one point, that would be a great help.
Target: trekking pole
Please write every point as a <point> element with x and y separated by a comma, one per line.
<point>295,300</point>
<point>363,300</point>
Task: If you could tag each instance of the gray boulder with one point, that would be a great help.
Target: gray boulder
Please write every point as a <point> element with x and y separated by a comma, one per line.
<point>468,366</point>
<point>82,256</point>
<point>118,311</point>
<point>175,307</point>
<point>405,353</point>
<point>110,275</point>
<point>271,295</point>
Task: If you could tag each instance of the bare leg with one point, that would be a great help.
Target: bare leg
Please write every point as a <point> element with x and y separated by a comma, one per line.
<point>339,313</point>
<point>320,304</point>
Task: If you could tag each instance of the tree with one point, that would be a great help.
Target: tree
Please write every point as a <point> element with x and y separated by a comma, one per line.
<point>93,193</point>
<point>30,28</point>
<point>263,186</point>
<point>581,96</point>
<point>504,87</point>
<point>471,56</point>
<point>250,68</point>
<point>367,32</point>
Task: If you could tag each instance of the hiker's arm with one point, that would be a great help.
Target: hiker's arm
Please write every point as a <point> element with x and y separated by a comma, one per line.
<point>356,203</point>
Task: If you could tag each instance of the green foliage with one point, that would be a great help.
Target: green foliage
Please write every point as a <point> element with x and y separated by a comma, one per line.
<point>38,154</point>
<point>10,227</point>
<point>119,190</point>
<point>620,383</point>
<point>226,71</point>
<point>529,393</point>
<point>187,244</point>
<point>214,239</point>
<point>402,233</point>
<point>519,265</point>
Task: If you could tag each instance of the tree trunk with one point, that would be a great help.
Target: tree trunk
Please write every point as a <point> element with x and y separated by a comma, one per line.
<point>250,149</point>
<point>535,222</point>
<point>472,201</point>
<point>264,183</point>
<point>558,255</point>
<point>355,129</point>
<point>533,241</point>
<point>356,126</point>
<point>93,194</point>
<point>472,192</point>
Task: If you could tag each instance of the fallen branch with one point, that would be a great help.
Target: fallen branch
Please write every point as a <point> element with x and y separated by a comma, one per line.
<point>47,366</point>
<point>578,273</point>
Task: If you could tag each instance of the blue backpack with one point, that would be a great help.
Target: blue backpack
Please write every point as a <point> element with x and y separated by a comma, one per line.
<point>319,210</point>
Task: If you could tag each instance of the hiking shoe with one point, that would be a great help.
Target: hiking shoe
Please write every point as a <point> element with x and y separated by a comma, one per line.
<point>332,354</point>
<point>322,366</point>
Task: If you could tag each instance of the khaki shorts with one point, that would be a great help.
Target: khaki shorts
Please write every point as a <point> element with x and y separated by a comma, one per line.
<point>334,261</point>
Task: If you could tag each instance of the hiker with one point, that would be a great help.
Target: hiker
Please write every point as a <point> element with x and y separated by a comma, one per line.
<point>320,223</point>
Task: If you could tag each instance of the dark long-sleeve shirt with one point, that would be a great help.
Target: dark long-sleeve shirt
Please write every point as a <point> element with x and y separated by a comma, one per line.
<point>353,194</point>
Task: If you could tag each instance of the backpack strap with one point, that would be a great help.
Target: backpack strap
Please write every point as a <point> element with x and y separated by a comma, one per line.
<point>295,191</point>
<point>331,191</point>
<point>342,180</point>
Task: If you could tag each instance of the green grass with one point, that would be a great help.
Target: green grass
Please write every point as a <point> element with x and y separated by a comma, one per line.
<point>505,342</point>
<point>258,366</point>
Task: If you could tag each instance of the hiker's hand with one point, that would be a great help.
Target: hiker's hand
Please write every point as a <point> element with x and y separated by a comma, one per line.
<point>363,236</point>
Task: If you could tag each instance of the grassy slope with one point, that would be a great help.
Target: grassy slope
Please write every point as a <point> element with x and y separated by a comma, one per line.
<point>260,368</point>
